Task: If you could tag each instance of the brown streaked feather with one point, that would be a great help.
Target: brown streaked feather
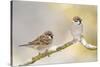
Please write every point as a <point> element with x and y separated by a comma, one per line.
<point>42,40</point>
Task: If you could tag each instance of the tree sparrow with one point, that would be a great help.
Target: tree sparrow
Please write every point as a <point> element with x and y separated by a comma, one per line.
<point>41,42</point>
<point>77,30</point>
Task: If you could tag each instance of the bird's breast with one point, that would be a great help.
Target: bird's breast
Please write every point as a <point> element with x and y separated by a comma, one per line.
<point>76,29</point>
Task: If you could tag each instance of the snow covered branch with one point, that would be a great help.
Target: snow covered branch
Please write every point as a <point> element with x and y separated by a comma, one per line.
<point>50,52</point>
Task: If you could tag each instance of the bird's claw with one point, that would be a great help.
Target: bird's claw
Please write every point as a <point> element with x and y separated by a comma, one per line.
<point>46,52</point>
<point>39,53</point>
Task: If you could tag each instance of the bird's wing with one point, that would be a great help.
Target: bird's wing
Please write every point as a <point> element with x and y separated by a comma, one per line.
<point>41,40</point>
<point>38,40</point>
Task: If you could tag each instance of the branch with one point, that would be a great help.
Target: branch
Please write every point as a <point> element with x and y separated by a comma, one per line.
<point>47,53</point>
<point>86,44</point>
<point>50,52</point>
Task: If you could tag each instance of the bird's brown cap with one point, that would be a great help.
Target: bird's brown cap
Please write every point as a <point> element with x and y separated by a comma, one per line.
<point>77,18</point>
<point>49,33</point>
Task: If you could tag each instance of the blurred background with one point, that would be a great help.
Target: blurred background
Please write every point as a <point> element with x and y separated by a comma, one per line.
<point>30,19</point>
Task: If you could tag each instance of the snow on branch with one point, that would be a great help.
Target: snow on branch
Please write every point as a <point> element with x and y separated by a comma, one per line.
<point>50,52</point>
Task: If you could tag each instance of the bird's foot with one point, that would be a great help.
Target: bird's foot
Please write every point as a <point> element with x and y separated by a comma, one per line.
<point>46,52</point>
<point>39,53</point>
<point>72,42</point>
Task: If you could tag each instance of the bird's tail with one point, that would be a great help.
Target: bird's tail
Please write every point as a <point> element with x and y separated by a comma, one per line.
<point>24,45</point>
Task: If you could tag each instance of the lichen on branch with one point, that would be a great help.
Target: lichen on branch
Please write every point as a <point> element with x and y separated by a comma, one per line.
<point>48,53</point>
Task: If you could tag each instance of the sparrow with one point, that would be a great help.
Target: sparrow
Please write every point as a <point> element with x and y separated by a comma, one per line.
<point>41,42</point>
<point>77,28</point>
<point>77,32</point>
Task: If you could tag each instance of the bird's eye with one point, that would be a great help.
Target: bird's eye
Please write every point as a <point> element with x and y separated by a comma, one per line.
<point>50,34</point>
<point>76,21</point>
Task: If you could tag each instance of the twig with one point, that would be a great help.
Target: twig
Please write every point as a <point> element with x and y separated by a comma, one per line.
<point>48,53</point>
<point>42,55</point>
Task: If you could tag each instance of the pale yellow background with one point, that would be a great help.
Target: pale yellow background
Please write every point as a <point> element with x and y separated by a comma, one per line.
<point>30,19</point>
